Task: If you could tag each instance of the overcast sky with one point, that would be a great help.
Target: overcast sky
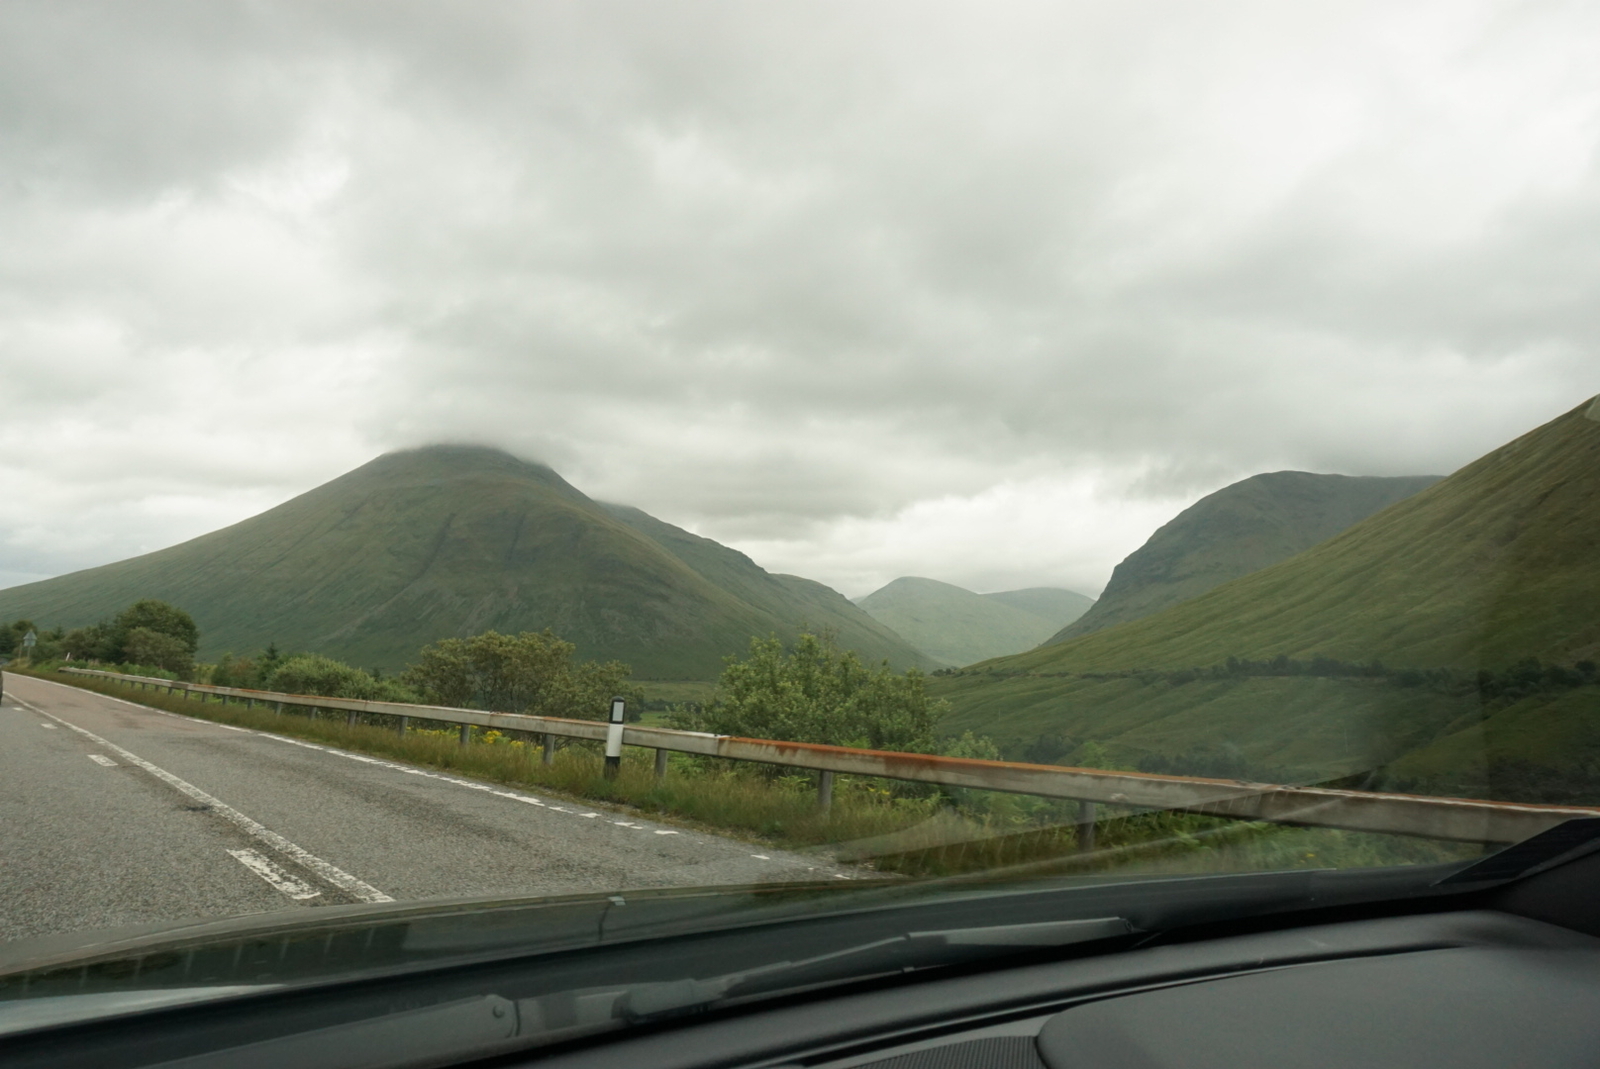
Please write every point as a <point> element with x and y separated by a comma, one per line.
<point>982,292</point>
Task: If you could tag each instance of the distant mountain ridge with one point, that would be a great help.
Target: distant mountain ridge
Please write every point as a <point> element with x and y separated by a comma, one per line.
<point>955,626</point>
<point>1239,529</point>
<point>452,540</point>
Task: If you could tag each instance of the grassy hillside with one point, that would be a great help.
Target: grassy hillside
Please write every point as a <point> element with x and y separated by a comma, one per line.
<point>1302,730</point>
<point>956,626</point>
<point>1543,745</point>
<point>447,540</point>
<point>1493,564</point>
<point>1240,529</point>
<point>793,600</point>
<point>1476,574</point>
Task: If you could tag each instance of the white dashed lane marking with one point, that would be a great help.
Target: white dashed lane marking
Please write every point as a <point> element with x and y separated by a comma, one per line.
<point>358,889</point>
<point>296,889</point>
<point>52,727</point>
<point>515,796</point>
<point>102,759</point>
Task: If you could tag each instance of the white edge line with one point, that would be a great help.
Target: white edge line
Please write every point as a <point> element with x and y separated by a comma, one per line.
<point>336,876</point>
<point>363,758</point>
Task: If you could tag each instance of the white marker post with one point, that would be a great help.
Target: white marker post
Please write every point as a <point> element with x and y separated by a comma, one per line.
<point>614,738</point>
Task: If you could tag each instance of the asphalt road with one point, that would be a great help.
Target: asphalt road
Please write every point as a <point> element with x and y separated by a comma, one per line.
<point>113,814</point>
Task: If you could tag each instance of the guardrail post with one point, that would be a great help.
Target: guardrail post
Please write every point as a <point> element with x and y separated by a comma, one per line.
<point>549,749</point>
<point>466,734</point>
<point>1085,827</point>
<point>249,703</point>
<point>614,738</point>
<point>661,765</point>
<point>350,719</point>
<point>277,708</point>
<point>825,791</point>
<point>400,728</point>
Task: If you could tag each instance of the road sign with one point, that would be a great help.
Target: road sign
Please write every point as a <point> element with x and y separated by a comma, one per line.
<point>30,640</point>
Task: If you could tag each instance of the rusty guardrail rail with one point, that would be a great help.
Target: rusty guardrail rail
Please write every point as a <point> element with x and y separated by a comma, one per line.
<point>1458,819</point>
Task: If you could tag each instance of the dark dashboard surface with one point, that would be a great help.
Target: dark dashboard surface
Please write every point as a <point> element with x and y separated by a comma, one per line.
<point>1459,990</point>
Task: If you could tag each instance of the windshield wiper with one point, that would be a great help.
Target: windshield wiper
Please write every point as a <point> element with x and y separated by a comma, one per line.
<point>896,954</point>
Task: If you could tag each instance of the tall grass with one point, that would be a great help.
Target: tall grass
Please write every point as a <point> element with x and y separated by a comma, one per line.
<point>910,830</point>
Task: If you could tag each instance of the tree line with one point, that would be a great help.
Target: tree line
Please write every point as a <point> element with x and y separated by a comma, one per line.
<point>148,632</point>
<point>812,691</point>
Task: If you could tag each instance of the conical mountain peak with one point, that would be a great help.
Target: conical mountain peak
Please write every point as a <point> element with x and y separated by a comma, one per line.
<point>450,540</point>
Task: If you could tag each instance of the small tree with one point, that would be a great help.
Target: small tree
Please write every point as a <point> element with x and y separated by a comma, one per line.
<point>527,673</point>
<point>11,635</point>
<point>312,673</point>
<point>142,646</point>
<point>87,643</point>
<point>152,615</point>
<point>819,693</point>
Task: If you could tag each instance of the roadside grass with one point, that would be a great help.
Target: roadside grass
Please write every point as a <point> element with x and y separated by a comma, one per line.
<point>909,830</point>
<point>718,795</point>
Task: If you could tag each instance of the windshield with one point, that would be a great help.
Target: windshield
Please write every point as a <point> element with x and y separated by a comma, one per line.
<point>726,467</point>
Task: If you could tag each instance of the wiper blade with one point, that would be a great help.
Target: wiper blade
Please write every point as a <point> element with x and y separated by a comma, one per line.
<point>900,953</point>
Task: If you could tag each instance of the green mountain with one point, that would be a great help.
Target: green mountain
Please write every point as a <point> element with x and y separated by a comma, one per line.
<point>955,626</point>
<point>1453,589</point>
<point>1050,603</point>
<point>1495,563</point>
<point>452,540</point>
<point>1240,529</point>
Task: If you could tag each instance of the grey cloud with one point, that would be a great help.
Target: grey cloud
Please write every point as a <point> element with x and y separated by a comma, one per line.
<point>772,269</point>
<point>121,101</point>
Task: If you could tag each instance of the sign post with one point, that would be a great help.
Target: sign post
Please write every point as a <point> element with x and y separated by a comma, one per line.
<point>614,738</point>
<point>28,642</point>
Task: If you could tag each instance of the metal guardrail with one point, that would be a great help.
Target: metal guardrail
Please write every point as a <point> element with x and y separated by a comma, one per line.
<point>1457,819</point>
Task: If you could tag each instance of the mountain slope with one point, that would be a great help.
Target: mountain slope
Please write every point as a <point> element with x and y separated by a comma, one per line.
<point>1051,603</point>
<point>450,540</point>
<point>1240,529</point>
<point>794,599</point>
<point>1493,564</point>
<point>955,626</point>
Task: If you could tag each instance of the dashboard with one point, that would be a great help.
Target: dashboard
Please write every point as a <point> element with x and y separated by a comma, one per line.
<point>1469,989</point>
<point>1496,973</point>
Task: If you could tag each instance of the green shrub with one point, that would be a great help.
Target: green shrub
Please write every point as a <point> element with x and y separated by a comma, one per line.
<point>817,693</point>
<point>142,645</point>
<point>150,615</point>
<point>312,673</point>
<point>531,673</point>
